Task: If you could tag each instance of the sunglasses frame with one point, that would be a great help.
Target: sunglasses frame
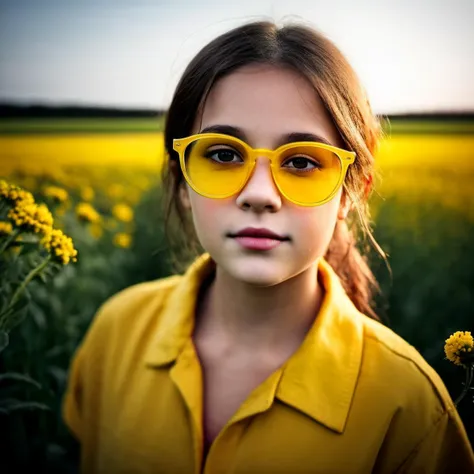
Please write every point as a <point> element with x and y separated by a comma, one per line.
<point>346,158</point>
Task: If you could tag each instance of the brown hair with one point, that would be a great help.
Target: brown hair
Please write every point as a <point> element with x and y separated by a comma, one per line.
<point>310,53</point>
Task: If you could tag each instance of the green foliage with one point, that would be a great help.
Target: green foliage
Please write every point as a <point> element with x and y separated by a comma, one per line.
<point>55,316</point>
<point>431,251</point>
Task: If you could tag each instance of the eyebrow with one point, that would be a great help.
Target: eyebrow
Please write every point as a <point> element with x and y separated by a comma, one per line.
<point>287,138</point>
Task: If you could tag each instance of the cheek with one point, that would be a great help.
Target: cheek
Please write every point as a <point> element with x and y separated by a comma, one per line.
<point>206,214</point>
<point>314,226</point>
<point>204,207</point>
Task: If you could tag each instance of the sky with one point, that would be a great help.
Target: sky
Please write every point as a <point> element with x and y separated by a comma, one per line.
<point>410,55</point>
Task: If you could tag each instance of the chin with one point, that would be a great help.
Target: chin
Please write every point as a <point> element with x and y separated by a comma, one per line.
<point>257,270</point>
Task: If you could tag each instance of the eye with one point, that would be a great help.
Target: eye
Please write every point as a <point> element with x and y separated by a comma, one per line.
<point>222,155</point>
<point>301,164</point>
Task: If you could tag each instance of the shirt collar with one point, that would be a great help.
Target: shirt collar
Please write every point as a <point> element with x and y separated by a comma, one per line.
<point>319,379</point>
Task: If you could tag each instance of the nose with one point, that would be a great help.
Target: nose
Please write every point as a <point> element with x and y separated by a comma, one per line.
<point>260,192</point>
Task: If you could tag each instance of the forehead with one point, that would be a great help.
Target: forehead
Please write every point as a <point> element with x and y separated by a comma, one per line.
<point>267,102</point>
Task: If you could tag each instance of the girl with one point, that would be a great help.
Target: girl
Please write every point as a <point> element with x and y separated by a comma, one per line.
<point>265,356</point>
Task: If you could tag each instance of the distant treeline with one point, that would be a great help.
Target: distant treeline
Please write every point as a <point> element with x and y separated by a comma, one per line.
<point>15,111</point>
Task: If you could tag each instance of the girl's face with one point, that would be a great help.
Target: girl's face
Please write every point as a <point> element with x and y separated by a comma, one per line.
<point>265,103</point>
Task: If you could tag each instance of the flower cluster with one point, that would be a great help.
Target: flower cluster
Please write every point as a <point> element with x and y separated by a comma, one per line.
<point>459,348</point>
<point>5,228</point>
<point>56,193</point>
<point>123,212</point>
<point>31,217</point>
<point>14,195</point>
<point>87,193</point>
<point>60,246</point>
<point>85,212</point>
<point>122,240</point>
<point>25,215</point>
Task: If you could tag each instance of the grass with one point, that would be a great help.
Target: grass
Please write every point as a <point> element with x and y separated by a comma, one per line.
<point>397,126</point>
<point>81,125</point>
<point>139,125</point>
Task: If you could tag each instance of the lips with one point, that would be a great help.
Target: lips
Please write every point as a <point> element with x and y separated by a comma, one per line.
<point>261,233</point>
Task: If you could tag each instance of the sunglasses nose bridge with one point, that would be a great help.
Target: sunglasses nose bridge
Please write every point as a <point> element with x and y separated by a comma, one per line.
<point>258,166</point>
<point>262,152</point>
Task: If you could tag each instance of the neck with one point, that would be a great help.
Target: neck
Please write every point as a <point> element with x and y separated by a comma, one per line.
<point>244,318</point>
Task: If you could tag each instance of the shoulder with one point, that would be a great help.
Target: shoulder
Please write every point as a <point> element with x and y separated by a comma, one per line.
<point>139,295</point>
<point>399,365</point>
<point>404,397</point>
<point>130,311</point>
<point>117,335</point>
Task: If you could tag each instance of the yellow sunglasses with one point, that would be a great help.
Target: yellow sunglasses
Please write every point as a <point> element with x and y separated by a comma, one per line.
<point>218,166</point>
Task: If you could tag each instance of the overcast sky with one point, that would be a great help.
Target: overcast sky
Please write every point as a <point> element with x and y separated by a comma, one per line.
<point>411,55</point>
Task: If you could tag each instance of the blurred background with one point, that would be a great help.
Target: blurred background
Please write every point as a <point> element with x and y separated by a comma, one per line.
<point>84,88</point>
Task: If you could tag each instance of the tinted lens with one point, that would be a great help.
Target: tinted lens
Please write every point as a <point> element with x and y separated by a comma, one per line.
<point>308,174</point>
<point>216,167</point>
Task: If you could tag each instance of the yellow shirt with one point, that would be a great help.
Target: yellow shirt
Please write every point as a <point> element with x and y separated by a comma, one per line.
<point>354,398</point>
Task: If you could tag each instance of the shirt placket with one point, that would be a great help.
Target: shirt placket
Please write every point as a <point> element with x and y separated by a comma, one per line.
<point>187,376</point>
<point>220,459</point>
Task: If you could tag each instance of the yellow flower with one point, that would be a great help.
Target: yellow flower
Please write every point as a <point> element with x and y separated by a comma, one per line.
<point>123,212</point>
<point>60,246</point>
<point>87,193</point>
<point>4,188</point>
<point>122,240</point>
<point>5,228</point>
<point>14,194</point>
<point>87,213</point>
<point>56,193</point>
<point>459,347</point>
<point>31,217</point>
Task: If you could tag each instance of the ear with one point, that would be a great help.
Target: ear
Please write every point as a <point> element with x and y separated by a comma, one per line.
<point>346,205</point>
<point>184,196</point>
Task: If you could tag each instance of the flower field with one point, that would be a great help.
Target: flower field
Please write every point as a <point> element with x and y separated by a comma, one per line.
<point>102,191</point>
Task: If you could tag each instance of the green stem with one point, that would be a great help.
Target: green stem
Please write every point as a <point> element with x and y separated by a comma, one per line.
<point>10,239</point>
<point>4,317</point>
<point>469,377</point>
<point>28,278</point>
